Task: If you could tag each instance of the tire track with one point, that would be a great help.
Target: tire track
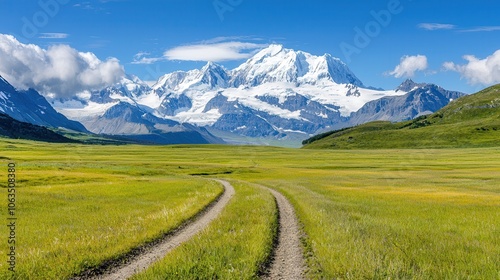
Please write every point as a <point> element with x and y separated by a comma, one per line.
<point>288,259</point>
<point>181,235</point>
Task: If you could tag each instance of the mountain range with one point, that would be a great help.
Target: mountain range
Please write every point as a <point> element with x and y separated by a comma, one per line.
<point>129,122</point>
<point>31,107</point>
<point>278,95</point>
<point>420,99</point>
<point>470,121</point>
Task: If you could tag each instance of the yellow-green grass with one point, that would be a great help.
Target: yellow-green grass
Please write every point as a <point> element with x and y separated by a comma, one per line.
<point>396,214</point>
<point>418,214</point>
<point>76,209</point>
<point>235,246</point>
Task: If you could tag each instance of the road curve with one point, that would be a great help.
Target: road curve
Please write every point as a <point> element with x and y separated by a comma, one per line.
<point>146,259</point>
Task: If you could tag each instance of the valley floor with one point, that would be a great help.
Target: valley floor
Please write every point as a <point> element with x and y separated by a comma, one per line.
<point>415,214</point>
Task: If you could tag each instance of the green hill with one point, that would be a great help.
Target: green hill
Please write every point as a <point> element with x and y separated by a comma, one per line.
<point>14,129</point>
<point>470,121</point>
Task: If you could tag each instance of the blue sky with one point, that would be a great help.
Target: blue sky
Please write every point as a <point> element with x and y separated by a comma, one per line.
<point>451,43</point>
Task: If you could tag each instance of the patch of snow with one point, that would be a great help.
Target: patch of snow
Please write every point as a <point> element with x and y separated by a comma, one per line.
<point>91,110</point>
<point>322,115</point>
<point>151,100</point>
<point>273,126</point>
<point>198,118</point>
<point>116,96</point>
<point>293,131</point>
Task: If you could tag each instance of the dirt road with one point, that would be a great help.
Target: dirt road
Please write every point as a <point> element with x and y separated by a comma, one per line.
<point>147,258</point>
<point>288,260</point>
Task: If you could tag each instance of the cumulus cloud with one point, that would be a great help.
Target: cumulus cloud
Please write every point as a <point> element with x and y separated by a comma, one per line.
<point>409,65</point>
<point>59,70</point>
<point>436,26</point>
<point>478,71</point>
<point>215,50</point>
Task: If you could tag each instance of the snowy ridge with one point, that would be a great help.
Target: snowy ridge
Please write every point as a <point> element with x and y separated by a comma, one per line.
<point>277,64</point>
<point>276,92</point>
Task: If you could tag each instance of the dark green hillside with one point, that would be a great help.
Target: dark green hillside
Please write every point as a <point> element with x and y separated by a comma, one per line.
<point>470,121</point>
<point>12,128</point>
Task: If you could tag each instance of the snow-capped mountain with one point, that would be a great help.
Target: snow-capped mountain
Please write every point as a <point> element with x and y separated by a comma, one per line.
<point>117,110</point>
<point>278,93</point>
<point>277,64</point>
<point>421,99</point>
<point>211,76</point>
<point>31,107</point>
<point>129,89</point>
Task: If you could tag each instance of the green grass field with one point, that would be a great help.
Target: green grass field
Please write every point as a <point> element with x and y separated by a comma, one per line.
<point>76,210</point>
<point>235,246</point>
<point>401,214</point>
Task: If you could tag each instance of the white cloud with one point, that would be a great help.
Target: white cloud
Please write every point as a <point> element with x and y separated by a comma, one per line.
<point>53,36</point>
<point>483,29</point>
<point>84,5</point>
<point>436,26</point>
<point>141,58</point>
<point>216,50</point>
<point>222,39</point>
<point>444,26</point>
<point>59,70</point>
<point>409,65</point>
<point>478,71</point>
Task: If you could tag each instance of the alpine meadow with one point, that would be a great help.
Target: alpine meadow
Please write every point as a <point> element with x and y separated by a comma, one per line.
<point>249,139</point>
<point>415,214</point>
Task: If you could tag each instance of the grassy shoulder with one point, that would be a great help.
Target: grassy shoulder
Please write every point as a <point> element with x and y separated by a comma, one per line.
<point>234,246</point>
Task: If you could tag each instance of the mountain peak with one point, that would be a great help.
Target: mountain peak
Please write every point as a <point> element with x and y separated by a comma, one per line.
<point>277,64</point>
<point>213,75</point>
<point>409,85</point>
<point>273,49</point>
<point>339,72</point>
<point>211,66</point>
